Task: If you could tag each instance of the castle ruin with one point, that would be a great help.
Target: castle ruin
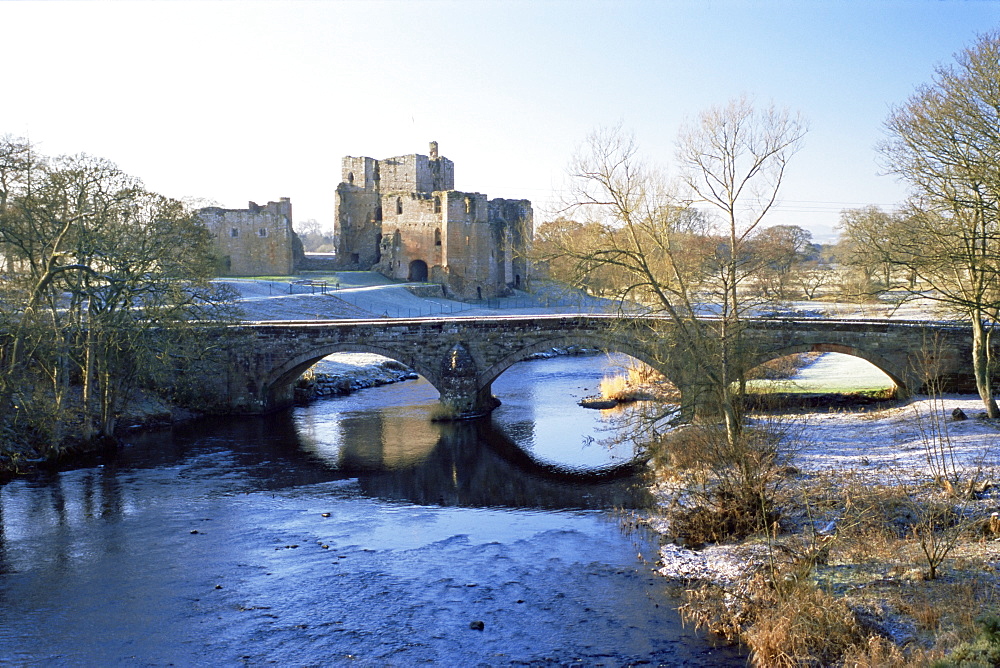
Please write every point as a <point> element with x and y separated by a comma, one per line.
<point>256,241</point>
<point>403,217</point>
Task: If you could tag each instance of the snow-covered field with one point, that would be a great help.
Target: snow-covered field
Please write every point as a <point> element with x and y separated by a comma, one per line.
<point>893,444</point>
<point>900,445</point>
<point>890,442</point>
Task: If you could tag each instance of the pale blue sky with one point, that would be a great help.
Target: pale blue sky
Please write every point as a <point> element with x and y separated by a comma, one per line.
<point>235,101</point>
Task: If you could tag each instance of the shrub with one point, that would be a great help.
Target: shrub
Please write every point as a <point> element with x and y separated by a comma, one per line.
<point>725,488</point>
<point>783,623</point>
<point>803,626</point>
<point>983,650</point>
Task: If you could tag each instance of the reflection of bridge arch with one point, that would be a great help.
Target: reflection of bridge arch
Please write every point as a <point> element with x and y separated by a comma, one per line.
<point>883,365</point>
<point>583,341</point>
<point>453,472</point>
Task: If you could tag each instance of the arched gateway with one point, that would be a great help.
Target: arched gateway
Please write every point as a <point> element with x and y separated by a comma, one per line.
<point>462,356</point>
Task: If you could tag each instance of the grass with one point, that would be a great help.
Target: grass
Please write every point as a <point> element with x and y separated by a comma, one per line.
<point>794,387</point>
<point>635,382</point>
<point>861,595</point>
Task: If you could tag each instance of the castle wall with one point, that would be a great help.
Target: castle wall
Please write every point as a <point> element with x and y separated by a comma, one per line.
<point>357,226</point>
<point>402,217</point>
<point>254,241</point>
<point>516,219</point>
<point>472,265</point>
<point>411,232</point>
<point>416,173</point>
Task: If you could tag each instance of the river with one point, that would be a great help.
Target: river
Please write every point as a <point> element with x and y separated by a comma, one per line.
<point>352,531</point>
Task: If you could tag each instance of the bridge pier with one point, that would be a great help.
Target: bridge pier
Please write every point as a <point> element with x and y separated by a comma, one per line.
<point>462,395</point>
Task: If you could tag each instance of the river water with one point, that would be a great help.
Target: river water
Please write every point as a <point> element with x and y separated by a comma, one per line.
<point>353,531</point>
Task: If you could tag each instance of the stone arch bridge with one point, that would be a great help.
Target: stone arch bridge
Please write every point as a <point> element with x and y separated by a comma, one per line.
<point>461,356</point>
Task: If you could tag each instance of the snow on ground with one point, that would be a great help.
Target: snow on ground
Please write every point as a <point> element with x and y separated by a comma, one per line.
<point>341,364</point>
<point>370,295</point>
<point>886,443</point>
<point>893,444</point>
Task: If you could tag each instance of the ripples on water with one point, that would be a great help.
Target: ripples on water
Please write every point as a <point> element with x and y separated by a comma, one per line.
<point>350,532</point>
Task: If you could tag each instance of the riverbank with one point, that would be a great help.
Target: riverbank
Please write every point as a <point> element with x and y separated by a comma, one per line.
<point>340,374</point>
<point>890,518</point>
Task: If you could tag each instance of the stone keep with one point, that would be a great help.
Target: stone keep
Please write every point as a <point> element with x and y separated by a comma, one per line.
<point>403,218</point>
<point>255,241</point>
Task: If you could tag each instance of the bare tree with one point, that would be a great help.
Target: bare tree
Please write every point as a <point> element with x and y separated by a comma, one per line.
<point>781,251</point>
<point>102,276</point>
<point>638,243</point>
<point>944,141</point>
<point>865,236</point>
<point>672,258</point>
<point>734,159</point>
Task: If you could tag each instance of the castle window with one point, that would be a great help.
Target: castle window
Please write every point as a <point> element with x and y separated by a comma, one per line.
<point>399,205</point>
<point>470,206</point>
<point>350,178</point>
<point>466,241</point>
<point>437,204</point>
<point>262,232</point>
<point>235,232</point>
<point>378,214</point>
<point>437,237</point>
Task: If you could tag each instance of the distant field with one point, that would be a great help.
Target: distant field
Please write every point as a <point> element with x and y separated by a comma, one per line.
<point>832,373</point>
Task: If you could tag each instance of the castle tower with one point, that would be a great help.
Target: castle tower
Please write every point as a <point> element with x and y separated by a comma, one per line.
<point>402,217</point>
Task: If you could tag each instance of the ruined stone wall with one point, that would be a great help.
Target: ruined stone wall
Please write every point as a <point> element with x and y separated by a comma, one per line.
<point>416,173</point>
<point>359,172</point>
<point>412,240</point>
<point>357,226</point>
<point>471,266</point>
<point>402,217</point>
<point>255,241</point>
<point>513,220</point>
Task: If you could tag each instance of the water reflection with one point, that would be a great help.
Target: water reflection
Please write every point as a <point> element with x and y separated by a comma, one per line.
<point>385,437</point>
<point>477,465</point>
<point>354,531</point>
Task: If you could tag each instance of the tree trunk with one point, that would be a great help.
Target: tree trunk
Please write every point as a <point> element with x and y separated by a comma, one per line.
<point>981,365</point>
<point>88,379</point>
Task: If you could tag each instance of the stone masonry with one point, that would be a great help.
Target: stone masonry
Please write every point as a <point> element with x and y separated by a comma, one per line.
<point>462,356</point>
<point>256,241</point>
<point>402,217</point>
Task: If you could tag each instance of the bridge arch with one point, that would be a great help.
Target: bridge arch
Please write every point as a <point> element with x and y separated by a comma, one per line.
<point>286,373</point>
<point>897,376</point>
<point>583,340</point>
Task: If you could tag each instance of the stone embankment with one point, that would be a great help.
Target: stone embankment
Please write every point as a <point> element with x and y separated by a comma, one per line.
<point>567,351</point>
